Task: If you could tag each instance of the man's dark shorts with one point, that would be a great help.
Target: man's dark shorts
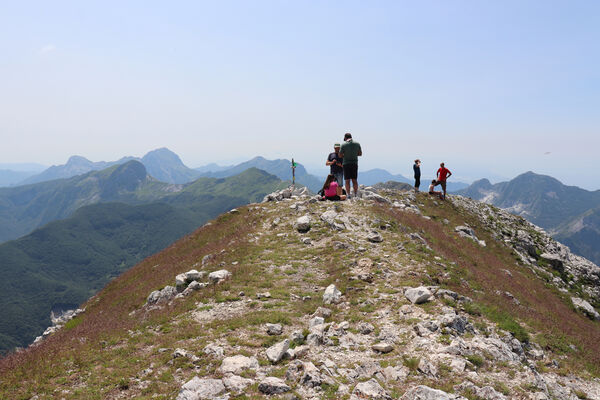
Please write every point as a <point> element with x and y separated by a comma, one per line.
<point>350,171</point>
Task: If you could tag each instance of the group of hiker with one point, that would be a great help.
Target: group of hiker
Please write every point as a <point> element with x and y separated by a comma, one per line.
<point>343,164</point>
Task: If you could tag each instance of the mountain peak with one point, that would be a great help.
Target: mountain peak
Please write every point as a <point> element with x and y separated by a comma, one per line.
<point>320,297</point>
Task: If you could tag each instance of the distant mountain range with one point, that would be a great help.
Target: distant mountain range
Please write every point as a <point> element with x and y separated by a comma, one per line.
<point>166,166</point>
<point>569,213</point>
<point>161,164</point>
<point>113,219</point>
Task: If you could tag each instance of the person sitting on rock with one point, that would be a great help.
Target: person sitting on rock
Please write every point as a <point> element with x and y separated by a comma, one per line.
<point>332,190</point>
<point>434,192</point>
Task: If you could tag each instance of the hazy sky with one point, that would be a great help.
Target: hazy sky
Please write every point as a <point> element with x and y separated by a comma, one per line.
<point>492,88</point>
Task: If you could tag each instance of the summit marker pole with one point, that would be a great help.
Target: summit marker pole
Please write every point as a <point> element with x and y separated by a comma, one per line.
<point>293,173</point>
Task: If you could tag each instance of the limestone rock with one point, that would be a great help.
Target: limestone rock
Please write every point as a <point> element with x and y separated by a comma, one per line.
<point>237,364</point>
<point>199,389</point>
<point>274,329</point>
<point>418,295</point>
<point>193,275</point>
<point>218,276</point>
<point>370,389</point>
<point>383,347</point>
<point>213,350</point>
<point>375,237</point>
<point>302,224</point>
<point>162,296</point>
<point>272,385</point>
<point>585,307</point>
<point>332,295</point>
<point>425,393</point>
<point>276,352</point>
<point>236,384</point>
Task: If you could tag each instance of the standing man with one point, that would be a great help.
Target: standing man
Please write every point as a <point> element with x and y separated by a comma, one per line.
<point>350,152</point>
<point>334,161</point>
<point>417,169</point>
<point>442,174</point>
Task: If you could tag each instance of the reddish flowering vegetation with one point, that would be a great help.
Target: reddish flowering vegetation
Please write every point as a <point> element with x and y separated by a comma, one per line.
<point>109,313</point>
<point>486,271</point>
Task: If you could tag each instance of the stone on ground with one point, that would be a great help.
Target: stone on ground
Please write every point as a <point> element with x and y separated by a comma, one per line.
<point>276,352</point>
<point>238,364</point>
<point>332,295</point>
<point>418,295</point>
<point>369,390</point>
<point>219,275</point>
<point>199,389</point>
<point>272,385</point>
<point>425,393</point>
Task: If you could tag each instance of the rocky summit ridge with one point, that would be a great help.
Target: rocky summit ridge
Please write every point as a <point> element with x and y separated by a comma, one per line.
<point>393,295</point>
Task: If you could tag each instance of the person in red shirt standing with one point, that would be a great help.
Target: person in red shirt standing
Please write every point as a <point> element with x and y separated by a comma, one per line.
<point>442,174</point>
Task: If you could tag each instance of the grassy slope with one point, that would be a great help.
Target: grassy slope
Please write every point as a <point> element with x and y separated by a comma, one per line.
<point>101,352</point>
<point>66,262</point>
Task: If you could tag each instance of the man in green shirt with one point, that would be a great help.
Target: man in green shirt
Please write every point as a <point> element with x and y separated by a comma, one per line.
<point>350,151</point>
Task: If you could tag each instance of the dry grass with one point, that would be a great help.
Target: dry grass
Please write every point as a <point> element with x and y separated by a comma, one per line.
<point>107,314</point>
<point>483,268</point>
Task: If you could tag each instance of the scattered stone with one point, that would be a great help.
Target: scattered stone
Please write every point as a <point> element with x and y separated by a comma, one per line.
<point>332,295</point>
<point>264,295</point>
<point>197,389</point>
<point>369,390</point>
<point>162,296</point>
<point>418,295</point>
<point>303,224</point>
<point>306,240</point>
<point>214,350</point>
<point>365,263</point>
<point>316,321</point>
<point>276,352</point>
<point>237,384</point>
<point>365,328</point>
<point>425,393</point>
<point>237,364</point>
<point>322,312</point>
<point>395,373</point>
<point>180,282</point>
<point>427,368</point>
<point>193,275</point>
<point>375,237</point>
<point>297,337</point>
<point>218,276</point>
<point>274,329</point>
<point>272,385</point>
<point>585,307</point>
<point>181,353</point>
<point>383,347</point>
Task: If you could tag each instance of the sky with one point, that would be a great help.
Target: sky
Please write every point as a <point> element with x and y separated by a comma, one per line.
<point>494,89</point>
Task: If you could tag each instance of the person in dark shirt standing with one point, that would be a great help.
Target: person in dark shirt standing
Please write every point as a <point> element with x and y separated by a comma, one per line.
<point>417,169</point>
<point>334,161</point>
<point>443,173</point>
<point>350,152</point>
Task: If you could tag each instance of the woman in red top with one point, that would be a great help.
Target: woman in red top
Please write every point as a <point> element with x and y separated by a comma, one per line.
<point>332,190</point>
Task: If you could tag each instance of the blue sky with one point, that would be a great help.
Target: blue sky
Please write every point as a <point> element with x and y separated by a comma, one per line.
<point>494,89</point>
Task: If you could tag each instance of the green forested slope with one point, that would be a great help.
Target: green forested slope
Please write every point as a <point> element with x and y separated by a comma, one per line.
<point>67,261</point>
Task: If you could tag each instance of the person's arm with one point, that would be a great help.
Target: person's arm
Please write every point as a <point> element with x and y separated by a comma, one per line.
<point>359,151</point>
<point>438,175</point>
<point>449,174</point>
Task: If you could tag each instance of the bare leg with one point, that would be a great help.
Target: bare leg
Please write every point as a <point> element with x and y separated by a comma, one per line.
<point>348,187</point>
<point>355,185</point>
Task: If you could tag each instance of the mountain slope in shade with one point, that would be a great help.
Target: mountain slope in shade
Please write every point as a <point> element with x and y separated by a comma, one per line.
<point>76,165</point>
<point>541,199</point>
<point>9,177</point>
<point>24,208</point>
<point>161,164</point>
<point>67,261</point>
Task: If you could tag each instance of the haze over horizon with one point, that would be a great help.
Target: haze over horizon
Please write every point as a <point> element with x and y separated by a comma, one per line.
<point>492,89</point>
